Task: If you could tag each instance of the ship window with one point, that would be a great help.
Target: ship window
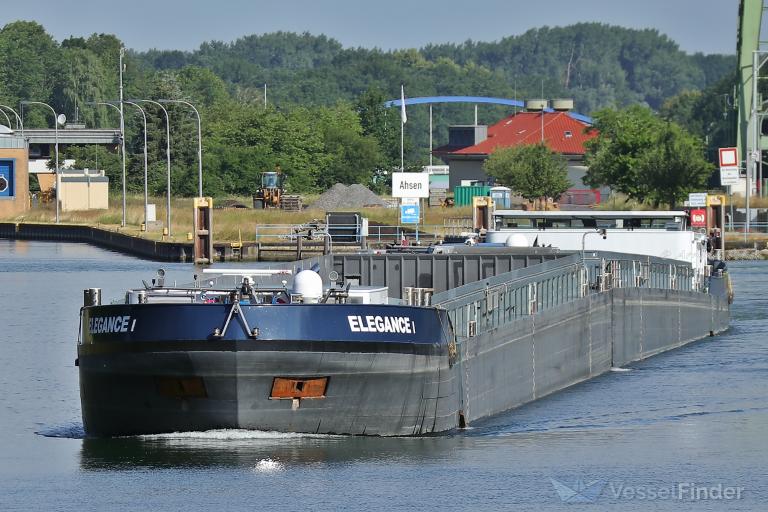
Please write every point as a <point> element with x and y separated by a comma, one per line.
<point>606,223</point>
<point>518,223</point>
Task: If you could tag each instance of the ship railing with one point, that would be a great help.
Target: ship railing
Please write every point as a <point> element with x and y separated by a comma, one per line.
<point>615,272</point>
<point>480,306</point>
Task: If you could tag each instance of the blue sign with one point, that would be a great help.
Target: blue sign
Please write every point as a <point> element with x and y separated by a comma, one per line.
<point>409,214</point>
<point>6,178</point>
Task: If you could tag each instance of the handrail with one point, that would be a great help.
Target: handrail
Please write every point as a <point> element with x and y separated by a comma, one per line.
<point>532,290</point>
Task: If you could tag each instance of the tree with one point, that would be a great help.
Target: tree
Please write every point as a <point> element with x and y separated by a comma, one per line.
<point>640,155</point>
<point>612,156</point>
<point>674,166</point>
<point>353,157</point>
<point>532,170</point>
<point>381,123</point>
<point>30,62</point>
<point>245,142</point>
<point>706,114</point>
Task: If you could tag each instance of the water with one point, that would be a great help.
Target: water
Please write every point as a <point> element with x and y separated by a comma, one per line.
<point>696,415</point>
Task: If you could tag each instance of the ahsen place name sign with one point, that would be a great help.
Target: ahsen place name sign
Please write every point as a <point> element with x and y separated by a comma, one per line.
<point>410,184</point>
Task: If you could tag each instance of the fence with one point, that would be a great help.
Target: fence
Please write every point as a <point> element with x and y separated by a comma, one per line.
<point>754,227</point>
<point>487,304</point>
<point>424,234</point>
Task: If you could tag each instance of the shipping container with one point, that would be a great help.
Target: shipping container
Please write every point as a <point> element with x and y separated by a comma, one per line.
<point>462,196</point>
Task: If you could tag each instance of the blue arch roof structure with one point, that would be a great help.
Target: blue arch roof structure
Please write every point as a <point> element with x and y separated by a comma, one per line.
<point>475,99</point>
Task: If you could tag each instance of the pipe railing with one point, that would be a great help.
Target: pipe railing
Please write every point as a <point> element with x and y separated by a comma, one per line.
<point>424,234</point>
<point>485,304</point>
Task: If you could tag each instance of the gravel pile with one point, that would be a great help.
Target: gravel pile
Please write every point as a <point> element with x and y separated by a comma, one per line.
<point>341,196</point>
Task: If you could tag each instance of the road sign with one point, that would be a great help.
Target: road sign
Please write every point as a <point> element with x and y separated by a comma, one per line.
<point>410,184</point>
<point>6,178</point>
<point>697,199</point>
<point>699,218</point>
<point>729,157</point>
<point>729,176</point>
<point>409,213</point>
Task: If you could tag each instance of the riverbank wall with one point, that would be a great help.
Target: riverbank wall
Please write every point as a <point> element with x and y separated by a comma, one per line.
<point>171,251</point>
<point>746,254</point>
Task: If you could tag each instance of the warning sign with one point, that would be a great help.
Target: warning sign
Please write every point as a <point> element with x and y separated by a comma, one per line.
<point>699,218</point>
<point>729,157</point>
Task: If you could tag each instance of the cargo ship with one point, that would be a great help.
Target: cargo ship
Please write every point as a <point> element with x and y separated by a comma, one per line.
<point>400,344</point>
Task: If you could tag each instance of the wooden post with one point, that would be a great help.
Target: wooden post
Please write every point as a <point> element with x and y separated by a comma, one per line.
<point>202,230</point>
<point>299,246</point>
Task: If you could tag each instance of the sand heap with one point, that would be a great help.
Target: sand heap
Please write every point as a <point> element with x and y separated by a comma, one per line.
<point>341,196</point>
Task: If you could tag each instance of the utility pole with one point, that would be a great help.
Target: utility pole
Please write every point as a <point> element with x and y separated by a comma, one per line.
<point>430,134</point>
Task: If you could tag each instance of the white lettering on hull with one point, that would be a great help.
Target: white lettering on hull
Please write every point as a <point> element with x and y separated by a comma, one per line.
<point>377,323</point>
<point>111,324</point>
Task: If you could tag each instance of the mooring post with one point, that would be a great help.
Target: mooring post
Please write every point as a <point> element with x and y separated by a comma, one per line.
<point>299,246</point>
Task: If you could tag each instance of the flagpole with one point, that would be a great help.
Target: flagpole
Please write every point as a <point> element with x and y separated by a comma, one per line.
<point>402,139</point>
<point>403,119</point>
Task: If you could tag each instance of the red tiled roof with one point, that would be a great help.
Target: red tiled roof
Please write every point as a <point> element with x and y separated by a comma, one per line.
<point>562,133</point>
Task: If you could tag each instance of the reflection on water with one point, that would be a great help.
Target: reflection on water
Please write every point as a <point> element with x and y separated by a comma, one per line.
<point>243,448</point>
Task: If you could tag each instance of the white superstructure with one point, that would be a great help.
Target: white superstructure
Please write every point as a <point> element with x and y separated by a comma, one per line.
<point>653,233</point>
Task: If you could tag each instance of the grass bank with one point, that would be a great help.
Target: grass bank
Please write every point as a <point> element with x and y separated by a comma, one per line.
<point>228,223</point>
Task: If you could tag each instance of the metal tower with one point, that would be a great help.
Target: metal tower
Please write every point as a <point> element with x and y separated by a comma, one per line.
<point>751,108</point>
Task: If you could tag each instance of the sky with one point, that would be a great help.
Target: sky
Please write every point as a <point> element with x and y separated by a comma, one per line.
<point>707,26</point>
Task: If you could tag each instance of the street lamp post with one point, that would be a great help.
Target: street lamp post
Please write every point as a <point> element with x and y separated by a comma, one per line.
<point>146,195</point>
<point>6,117</point>
<point>19,124</point>
<point>199,144</point>
<point>56,132</point>
<point>167,156</point>
<point>122,123</point>
<point>122,142</point>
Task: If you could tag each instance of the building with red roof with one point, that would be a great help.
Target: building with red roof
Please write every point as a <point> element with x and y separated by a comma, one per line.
<point>469,146</point>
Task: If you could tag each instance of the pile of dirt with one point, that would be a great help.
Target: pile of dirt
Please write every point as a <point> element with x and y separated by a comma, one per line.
<point>341,196</point>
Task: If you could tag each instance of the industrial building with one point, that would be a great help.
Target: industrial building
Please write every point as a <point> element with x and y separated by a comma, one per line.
<point>83,189</point>
<point>28,152</point>
<point>14,173</point>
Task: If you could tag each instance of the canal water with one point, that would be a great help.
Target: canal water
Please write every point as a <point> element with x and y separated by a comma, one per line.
<point>686,430</point>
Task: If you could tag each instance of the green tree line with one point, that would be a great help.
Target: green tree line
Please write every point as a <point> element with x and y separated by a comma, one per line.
<point>324,121</point>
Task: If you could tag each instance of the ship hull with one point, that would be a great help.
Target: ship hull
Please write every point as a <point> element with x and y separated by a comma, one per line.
<point>372,387</point>
<point>537,355</point>
<point>370,369</point>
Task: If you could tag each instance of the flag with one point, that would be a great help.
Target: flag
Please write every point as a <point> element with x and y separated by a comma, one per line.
<point>403,117</point>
